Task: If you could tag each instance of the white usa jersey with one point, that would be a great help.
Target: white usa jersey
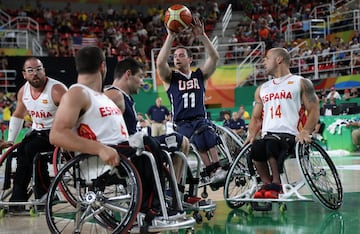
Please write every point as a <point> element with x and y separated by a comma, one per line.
<point>103,121</point>
<point>281,100</point>
<point>42,109</point>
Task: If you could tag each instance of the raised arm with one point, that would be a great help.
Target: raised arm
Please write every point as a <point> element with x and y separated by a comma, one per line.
<point>213,56</point>
<point>162,65</point>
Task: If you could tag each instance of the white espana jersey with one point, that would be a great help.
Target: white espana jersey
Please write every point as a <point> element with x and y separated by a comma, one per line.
<point>103,121</point>
<point>281,100</point>
<point>42,109</point>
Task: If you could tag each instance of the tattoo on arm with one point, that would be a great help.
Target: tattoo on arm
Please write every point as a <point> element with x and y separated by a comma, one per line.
<point>309,91</point>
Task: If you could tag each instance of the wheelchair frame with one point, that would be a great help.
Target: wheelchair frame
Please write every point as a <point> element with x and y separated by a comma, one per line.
<point>96,209</point>
<point>317,171</point>
<point>228,147</point>
<point>7,186</point>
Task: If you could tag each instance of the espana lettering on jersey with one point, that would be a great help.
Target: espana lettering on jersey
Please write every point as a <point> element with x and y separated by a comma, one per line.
<point>279,95</point>
<point>189,84</point>
<point>39,114</point>
<point>109,110</point>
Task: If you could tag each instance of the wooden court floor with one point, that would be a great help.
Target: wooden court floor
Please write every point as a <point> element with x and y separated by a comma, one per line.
<point>300,217</point>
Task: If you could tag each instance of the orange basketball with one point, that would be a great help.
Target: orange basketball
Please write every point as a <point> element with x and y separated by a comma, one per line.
<point>177,17</point>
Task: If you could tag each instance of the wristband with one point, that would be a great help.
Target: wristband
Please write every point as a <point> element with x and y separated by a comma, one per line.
<point>14,127</point>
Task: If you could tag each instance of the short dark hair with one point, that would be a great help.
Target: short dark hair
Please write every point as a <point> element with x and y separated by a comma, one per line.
<point>127,64</point>
<point>188,51</point>
<point>28,59</point>
<point>88,59</point>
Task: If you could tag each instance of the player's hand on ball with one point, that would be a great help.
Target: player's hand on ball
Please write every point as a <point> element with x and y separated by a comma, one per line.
<point>197,26</point>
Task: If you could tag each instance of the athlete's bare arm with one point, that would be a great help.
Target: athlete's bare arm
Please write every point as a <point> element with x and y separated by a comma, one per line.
<point>312,107</point>
<point>162,65</point>
<point>213,56</point>
<point>256,117</point>
<point>57,92</point>
<point>20,109</point>
<point>63,135</point>
<point>117,97</point>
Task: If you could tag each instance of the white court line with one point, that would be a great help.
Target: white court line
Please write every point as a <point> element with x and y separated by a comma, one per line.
<point>348,167</point>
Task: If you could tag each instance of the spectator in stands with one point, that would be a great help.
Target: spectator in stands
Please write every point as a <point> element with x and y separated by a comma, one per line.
<point>354,93</point>
<point>243,114</point>
<point>322,96</point>
<point>319,130</point>
<point>142,124</point>
<point>8,108</point>
<point>354,45</point>
<point>356,63</point>
<point>157,115</point>
<point>333,94</point>
<point>356,36</point>
<point>355,133</point>
<point>237,125</point>
<point>227,120</point>
<point>346,95</point>
<point>4,61</point>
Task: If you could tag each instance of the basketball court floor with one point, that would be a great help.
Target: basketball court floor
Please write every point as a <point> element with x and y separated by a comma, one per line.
<point>299,218</point>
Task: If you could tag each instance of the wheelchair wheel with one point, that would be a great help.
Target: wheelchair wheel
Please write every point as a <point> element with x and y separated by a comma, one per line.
<point>320,174</point>
<point>230,144</point>
<point>239,179</point>
<point>88,196</point>
<point>8,164</point>
<point>60,158</point>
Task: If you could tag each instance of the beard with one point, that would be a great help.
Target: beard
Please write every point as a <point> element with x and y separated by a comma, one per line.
<point>37,83</point>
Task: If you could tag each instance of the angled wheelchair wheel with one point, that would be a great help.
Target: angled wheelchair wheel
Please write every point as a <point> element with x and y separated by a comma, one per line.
<point>320,174</point>
<point>89,196</point>
<point>228,147</point>
<point>60,158</point>
<point>8,164</point>
<point>240,178</point>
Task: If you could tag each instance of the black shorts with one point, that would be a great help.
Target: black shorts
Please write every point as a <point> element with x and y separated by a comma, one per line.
<point>272,145</point>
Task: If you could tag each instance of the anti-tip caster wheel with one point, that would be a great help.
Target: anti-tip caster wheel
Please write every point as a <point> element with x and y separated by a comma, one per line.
<point>2,213</point>
<point>33,213</point>
<point>198,218</point>
<point>282,208</point>
<point>249,208</point>
<point>209,214</point>
<point>190,231</point>
<point>204,194</point>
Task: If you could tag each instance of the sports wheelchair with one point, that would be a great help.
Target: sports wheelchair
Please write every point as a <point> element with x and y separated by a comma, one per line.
<point>317,171</point>
<point>228,147</point>
<point>89,196</point>
<point>8,159</point>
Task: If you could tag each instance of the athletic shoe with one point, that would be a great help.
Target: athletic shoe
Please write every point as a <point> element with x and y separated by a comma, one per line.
<point>260,193</point>
<point>272,191</point>
<point>271,194</point>
<point>219,176</point>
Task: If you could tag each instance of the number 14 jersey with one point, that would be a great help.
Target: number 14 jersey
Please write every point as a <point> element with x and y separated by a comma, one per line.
<point>281,98</point>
